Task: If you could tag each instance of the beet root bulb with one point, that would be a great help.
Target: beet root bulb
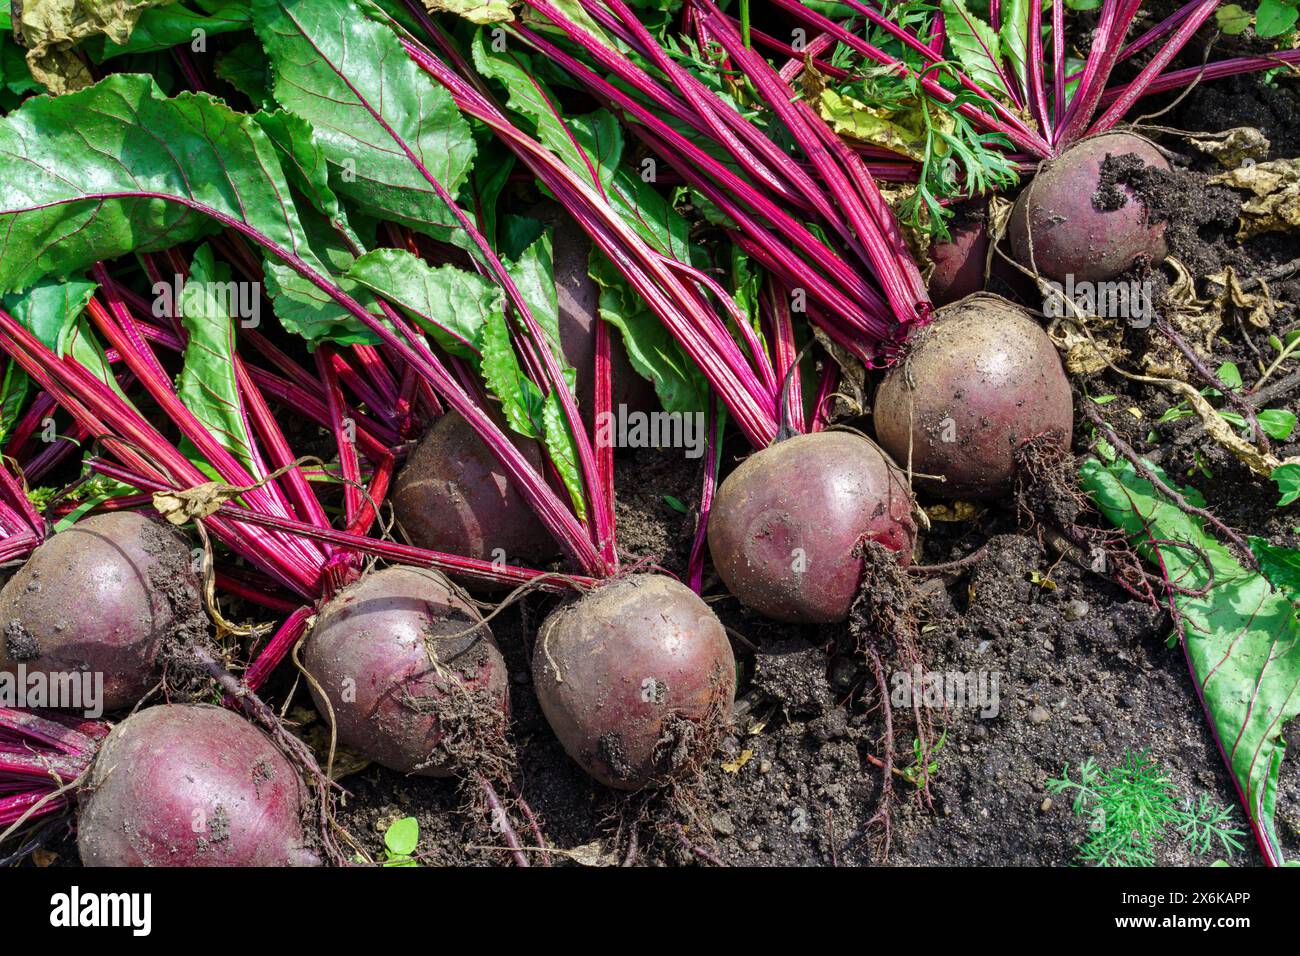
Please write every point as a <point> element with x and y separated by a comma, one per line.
<point>979,382</point>
<point>1068,222</point>
<point>192,785</point>
<point>104,597</point>
<point>637,679</point>
<point>959,263</point>
<point>454,496</point>
<point>786,526</point>
<point>410,681</point>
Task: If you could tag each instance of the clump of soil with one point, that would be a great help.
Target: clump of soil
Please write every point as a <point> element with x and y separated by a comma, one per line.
<point>1200,218</point>
<point>792,673</point>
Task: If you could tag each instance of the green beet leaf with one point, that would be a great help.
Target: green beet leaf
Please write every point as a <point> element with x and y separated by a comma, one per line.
<point>385,128</point>
<point>207,385</point>
<point>1242,638</point>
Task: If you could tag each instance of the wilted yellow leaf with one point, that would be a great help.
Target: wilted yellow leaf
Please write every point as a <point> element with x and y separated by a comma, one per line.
<point>51,28</point>
<point>475,11</point>
<point>733,766</point>
<point>1042,580</point>
<point>956,511</point>
<point>1275,206</point>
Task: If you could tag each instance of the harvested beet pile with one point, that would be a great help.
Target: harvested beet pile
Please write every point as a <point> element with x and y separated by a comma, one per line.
<point>666,433</point>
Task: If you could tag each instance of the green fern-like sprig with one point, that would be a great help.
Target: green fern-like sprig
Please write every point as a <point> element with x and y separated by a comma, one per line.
<point>1133,806</point>
<point>956,160</point>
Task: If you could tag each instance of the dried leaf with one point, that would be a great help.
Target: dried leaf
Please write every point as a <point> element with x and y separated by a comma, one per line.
<point>956,511</point>
<point>811,79</point>
<point>475,11</point>
<point>899,132</point>
<point>203,500</point>
<point>1219,429</point>
<point>1195,319</point>
<point>1257,308</point>
<point>1042,580</point>
<point>997,218</point>
<point>1231,147</point>
<point>916,232</point>
<point>733,766</point>
<point>1275,205</point>
<point>1182,291</point>
<point>51,28</point>
<point>591,854</point>
<point>1085,351</point>
<point>850,399</point>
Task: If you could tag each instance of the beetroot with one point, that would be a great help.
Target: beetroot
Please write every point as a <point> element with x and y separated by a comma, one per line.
<point>980,381</point>
<point>636,679</point>
<point>578,298</point>
<point>454,496</point>
<point>959,263</point>
<point>104,596</point>
<point>192,785</point>
<point>370,653</point>
<point>786,524</point>
<point>963,266</point>
<point>1081,227</point>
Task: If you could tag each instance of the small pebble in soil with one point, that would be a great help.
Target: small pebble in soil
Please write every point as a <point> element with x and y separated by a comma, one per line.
<point>722,824</point>
<point>1045,805</point>
<point>1039,714</point>
<point>1075,610</point>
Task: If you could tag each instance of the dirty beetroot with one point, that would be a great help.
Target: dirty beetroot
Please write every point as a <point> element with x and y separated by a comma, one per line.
<point>107,596</point>
<point>192,785</point>
<point>1073,221</point>
<point>636,679</point>
<point>979,382</point>
<point>401,661</point>
<point>787,524</point>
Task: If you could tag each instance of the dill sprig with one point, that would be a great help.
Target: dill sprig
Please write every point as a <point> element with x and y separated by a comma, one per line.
<point>957,161</point>
<point>1132,807</point>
